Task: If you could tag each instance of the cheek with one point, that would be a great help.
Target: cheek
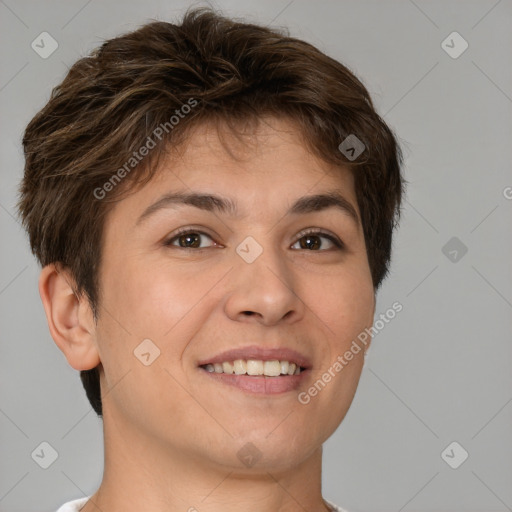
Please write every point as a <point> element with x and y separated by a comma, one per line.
<point>344,302</point>
<point>165,304</point>
<point>155,303</point>
<point>150,301</point>
<point>346,306</point>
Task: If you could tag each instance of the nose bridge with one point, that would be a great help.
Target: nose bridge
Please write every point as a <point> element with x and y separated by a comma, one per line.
<point>263,282</point>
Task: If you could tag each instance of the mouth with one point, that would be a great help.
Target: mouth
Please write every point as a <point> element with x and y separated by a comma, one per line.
<point>258,370</point>
<point>255,367</point>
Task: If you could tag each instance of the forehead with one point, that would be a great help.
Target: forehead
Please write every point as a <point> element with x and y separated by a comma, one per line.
<point>256,170</point>
<point>262,139</point>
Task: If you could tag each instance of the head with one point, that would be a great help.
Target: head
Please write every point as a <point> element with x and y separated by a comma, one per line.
<point>219,108</point>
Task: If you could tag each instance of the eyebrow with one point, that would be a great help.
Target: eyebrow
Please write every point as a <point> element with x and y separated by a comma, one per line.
<point>215,203</point>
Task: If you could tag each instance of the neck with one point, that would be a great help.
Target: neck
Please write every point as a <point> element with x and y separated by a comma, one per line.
<point>141,474</point>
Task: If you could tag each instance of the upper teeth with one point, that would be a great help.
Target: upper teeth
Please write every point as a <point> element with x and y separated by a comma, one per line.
<point>255,367</point>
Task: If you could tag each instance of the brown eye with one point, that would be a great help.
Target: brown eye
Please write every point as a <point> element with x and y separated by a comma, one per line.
<point>312,241</point>
<point>188,240</point>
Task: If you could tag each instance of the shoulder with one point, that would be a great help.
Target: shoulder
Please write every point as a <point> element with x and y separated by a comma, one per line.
<point>74,506</point>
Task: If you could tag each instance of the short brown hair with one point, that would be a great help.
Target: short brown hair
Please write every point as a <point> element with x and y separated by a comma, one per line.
<point>111,102</point>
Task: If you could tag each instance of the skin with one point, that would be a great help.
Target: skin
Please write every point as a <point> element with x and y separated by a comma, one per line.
<point>171,432</point>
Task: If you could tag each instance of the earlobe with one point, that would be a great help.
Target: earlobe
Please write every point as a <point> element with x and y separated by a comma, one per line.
<point>69,318</point>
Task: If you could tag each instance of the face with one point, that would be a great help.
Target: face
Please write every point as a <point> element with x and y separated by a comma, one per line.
<point>267,282</point>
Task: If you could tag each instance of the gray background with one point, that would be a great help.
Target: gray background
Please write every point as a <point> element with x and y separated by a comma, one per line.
<point>439,372</point>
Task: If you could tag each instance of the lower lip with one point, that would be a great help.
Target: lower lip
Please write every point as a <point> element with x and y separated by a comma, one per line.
<point>259,383</point>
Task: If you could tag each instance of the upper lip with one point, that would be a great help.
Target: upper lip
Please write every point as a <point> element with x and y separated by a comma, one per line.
<point>259,353</point>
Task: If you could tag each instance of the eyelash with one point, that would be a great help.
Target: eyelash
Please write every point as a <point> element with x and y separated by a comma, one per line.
<point>339,245</point>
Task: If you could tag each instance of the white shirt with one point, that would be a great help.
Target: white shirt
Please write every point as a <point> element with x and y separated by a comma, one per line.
<point>76,505</point>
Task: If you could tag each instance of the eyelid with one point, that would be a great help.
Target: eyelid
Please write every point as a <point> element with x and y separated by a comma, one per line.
<point>319,231</point>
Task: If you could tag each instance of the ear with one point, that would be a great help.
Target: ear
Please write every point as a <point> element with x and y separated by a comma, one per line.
<point>70,318</point>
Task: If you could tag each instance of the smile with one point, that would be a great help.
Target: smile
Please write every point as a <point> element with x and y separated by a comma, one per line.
<point>255,367</point>
<point>257,377</point>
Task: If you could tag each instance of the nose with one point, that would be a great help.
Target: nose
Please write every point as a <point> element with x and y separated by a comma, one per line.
<point>264,290</point>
